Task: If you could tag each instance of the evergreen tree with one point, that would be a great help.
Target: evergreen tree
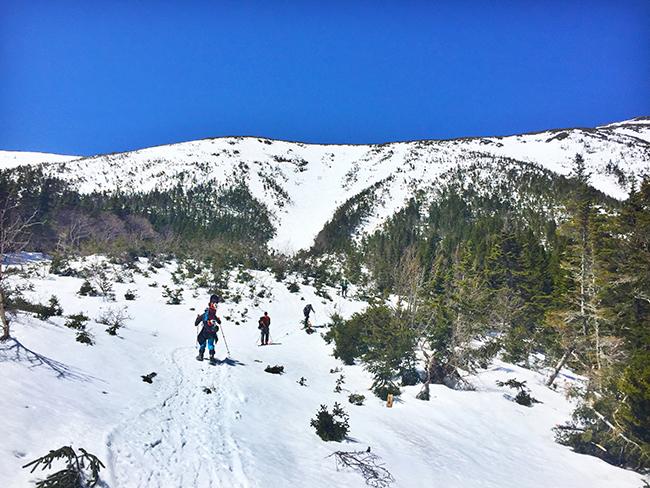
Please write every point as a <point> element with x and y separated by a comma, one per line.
<point>576,323</point>
<point>613,421</point>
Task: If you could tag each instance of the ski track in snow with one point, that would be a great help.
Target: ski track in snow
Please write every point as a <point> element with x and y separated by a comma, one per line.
<point>186,440</point>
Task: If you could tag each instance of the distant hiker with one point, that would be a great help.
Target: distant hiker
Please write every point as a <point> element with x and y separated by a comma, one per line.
<point>307,310</point>
<point>264,324</point>
<point>344,288</point>
<point>208,335</point>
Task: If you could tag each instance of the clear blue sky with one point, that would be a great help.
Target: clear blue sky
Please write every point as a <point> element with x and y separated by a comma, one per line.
<point>91,77</point>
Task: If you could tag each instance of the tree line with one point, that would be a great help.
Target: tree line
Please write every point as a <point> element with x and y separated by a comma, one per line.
<point>471,275</point>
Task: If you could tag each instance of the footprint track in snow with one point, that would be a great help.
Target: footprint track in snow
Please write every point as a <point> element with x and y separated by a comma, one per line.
<point>186,440</point>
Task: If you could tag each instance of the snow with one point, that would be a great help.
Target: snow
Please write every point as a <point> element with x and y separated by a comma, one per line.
<point>11,159</point>
<point>252,429</point>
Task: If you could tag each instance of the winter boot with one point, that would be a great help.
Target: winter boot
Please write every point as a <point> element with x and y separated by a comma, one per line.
<point>200,356</point>
<point>212,360</point>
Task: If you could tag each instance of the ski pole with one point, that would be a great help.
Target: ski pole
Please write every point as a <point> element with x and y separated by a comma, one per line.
<point>224,341</point>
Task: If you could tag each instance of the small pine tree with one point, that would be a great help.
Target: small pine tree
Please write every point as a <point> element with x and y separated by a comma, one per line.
<point>87,290</point>
<point>523,396</point>
<point>77,321</point>
<point>331,426</point>
<point>174,297</point>
<point>340,381</point>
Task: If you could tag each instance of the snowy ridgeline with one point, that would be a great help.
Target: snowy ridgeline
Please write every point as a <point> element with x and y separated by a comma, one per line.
<point>304,184</point>
<point>234,424</point>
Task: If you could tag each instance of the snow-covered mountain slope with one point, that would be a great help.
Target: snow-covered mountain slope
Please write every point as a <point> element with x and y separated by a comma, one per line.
<point>10,159</point>
<point>303,184</point>
<point>236,425</point>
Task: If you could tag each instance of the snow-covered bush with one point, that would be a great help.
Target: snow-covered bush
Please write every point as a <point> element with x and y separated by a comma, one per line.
<point>274,369</point>
<point>356,399</point>
<point>85,338</point>
<point>44,312</point>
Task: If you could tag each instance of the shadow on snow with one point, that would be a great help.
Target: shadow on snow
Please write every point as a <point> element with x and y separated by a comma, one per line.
<point>13,350</point>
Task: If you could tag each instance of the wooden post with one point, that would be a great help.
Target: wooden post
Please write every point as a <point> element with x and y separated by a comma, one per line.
<point>389,403</point>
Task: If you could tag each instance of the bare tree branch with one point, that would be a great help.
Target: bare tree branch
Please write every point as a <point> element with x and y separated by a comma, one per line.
<point>13,236</point>
<point>365,463</point>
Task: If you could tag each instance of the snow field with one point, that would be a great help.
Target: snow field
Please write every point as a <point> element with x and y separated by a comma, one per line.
<point>252,429</point>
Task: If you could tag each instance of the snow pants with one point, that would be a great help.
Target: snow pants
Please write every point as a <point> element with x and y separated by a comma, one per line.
<point>210,343</point>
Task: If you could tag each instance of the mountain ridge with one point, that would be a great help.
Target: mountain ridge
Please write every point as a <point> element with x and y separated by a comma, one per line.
<point>286,176</point>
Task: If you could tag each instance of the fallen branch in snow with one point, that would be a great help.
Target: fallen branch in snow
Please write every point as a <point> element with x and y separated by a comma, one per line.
<point>82,470</point>
<point>366,463</point>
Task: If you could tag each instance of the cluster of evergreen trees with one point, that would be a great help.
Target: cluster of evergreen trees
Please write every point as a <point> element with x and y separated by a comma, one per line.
<point>143,223</point>
<point>476,276</point>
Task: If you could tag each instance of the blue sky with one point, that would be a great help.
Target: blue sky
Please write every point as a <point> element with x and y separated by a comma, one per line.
<point>90,77</point>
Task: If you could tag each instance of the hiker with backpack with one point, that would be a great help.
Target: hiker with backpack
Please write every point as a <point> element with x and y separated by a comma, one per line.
<point>263,325</point>
<point>208,335</point>
<point>307,310</point>
<point>344,288</point>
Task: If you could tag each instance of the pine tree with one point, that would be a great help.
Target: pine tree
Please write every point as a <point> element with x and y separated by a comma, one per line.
<point>615,416</point>
<point>576,324</point>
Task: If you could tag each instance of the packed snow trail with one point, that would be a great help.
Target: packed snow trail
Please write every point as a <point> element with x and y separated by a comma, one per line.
<point>186,440</point>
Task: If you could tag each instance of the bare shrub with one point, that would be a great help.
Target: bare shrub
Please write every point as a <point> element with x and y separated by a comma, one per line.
<point>114,319</point>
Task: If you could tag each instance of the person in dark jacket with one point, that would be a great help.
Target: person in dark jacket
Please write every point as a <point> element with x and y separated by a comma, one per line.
<point>344,288</point>
<point>208,335</point>
<point>264,324</point>
<point>307,310</point>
